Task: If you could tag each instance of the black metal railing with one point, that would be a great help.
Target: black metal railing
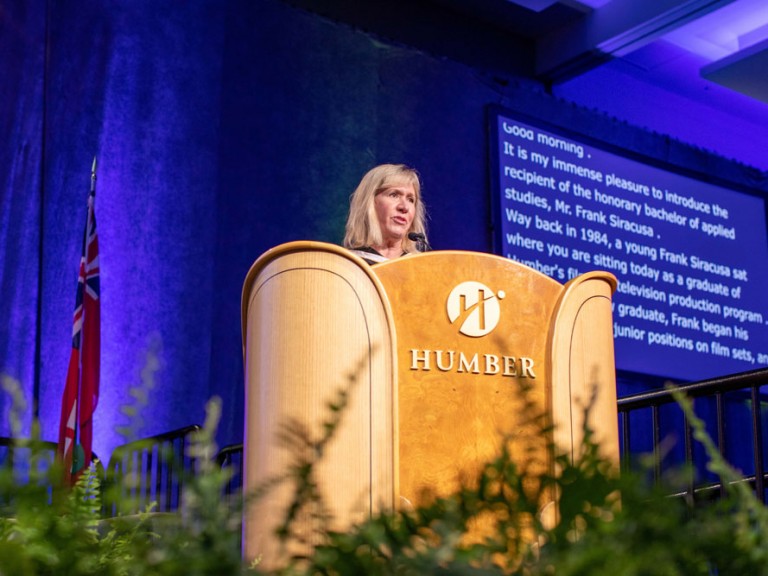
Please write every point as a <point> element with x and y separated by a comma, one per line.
<point>733,408</point>
<point>26,461</point>
<point>21,455</point>
<point>31,461</point>
<point>150,471</point>
<point>231,458</point>
<point>650,423</point>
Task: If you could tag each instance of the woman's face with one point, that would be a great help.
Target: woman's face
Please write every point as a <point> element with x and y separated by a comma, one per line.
<point>395,208</point>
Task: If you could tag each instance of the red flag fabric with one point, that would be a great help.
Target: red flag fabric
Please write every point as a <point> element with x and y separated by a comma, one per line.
<point>81,391</point>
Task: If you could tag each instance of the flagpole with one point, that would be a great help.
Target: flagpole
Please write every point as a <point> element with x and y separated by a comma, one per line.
<point>91,207</point>
<point>93,178</point>
<point>81,389</point>
<point>84,385</point>
<point>90,358</point>
<point>91,201</point>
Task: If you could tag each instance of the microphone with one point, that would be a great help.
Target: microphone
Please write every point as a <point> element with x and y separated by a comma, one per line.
<point>421,241</point>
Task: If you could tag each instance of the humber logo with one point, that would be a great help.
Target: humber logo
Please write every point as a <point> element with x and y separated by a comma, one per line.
<point>475,308</point>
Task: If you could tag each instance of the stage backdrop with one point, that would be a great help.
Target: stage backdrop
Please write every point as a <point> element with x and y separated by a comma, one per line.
<point>223,128</point>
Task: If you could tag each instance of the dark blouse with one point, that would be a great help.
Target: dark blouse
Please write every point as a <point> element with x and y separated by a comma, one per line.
<point>370,255</point>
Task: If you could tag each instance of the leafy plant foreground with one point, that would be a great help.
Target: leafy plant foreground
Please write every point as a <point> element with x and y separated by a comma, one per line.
<point>608,523</point>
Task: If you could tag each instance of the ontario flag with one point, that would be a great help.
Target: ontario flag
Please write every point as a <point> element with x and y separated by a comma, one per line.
<point>81,391</point>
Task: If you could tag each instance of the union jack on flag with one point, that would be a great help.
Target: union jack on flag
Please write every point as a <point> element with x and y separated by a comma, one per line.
<point>81,391</point>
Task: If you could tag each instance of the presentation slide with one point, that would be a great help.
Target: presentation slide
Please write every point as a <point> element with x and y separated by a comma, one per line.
<point>691,257</point>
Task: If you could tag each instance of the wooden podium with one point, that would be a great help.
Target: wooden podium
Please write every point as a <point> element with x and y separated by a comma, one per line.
<point>439,355</point>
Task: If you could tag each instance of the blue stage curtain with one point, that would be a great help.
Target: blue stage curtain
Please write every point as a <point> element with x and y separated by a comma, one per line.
<point>22,51</point>
<point>222,128</point>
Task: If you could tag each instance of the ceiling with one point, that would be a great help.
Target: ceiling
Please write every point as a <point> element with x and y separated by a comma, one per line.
<point>652,62</point>
<point>686,46</point>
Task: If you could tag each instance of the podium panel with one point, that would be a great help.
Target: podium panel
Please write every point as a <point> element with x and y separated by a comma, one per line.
<point>472,346</point>
<point>444,356</point>
<point>582,367</point>
<point>315,327</point>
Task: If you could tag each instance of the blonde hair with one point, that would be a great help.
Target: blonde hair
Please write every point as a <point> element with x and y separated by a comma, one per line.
<point>362,224</point>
